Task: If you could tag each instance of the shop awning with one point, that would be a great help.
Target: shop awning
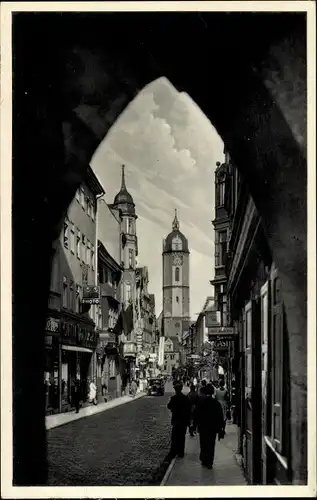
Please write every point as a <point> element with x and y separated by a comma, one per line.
<point>76,348</point>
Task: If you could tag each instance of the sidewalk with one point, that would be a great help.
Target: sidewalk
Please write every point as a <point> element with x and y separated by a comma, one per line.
<point>58,419</point>
<point>188,471</point>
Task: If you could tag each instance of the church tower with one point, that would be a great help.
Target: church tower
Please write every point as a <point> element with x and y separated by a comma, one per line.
<point>176,310</point>
<point>129,247</point>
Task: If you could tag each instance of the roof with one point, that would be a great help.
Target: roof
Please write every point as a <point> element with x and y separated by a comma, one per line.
<point>175,341</point>
<point>167,246</point>
<point>123,199</point>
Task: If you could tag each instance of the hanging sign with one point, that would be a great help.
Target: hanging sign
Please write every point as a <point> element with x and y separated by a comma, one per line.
<point>91,294</point>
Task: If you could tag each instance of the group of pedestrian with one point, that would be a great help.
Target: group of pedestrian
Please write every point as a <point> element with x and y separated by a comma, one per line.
<point>203,410</point>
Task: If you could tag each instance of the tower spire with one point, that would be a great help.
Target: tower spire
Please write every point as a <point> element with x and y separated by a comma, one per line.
<point>175,225</point>
<point>123,186</point>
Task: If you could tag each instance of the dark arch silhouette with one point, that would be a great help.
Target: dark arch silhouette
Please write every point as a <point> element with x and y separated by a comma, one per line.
<point>73,75</point>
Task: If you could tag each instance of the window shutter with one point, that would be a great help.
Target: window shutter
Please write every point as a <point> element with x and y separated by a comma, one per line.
<point>277,360</point>
<point>265,296</point>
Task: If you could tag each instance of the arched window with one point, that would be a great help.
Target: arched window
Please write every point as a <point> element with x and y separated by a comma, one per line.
<point>177,274</point>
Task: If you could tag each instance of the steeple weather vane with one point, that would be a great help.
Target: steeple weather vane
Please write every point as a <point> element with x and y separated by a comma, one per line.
<point>123,186</point>
<point>175,225</point>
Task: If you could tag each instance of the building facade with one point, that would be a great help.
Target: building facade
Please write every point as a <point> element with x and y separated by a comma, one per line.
<point>124,204</point>
<point>146,328</point>
<point>176,286</point>
<point>109,366</point>
<point>71,335</point>
<point>261,360</point>
<point>171,355</point>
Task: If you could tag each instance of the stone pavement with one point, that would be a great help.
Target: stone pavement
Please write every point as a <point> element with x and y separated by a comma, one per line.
<point>125,446</point>
<point>188,471</point>
<point>58,419</point>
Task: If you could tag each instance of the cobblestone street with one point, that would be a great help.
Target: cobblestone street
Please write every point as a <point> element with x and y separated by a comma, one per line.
<point>126,445</point>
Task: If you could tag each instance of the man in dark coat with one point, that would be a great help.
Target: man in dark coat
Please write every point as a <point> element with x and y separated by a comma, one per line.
<point>210,422</point>
<point>181,409</point>
<point>193,398</point>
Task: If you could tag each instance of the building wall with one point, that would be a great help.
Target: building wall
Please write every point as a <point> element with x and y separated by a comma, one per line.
<point>74,254</point>
<point>176,294</point>
<point>109,229</point>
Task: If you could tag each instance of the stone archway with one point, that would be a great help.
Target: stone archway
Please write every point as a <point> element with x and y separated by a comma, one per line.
<point>67,94</point>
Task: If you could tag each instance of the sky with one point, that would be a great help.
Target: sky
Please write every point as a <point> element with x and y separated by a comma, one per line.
<point>170,150</point>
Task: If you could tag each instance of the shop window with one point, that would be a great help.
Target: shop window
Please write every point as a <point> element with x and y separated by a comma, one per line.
<point>65,235</point>
<point>177,274</point>
<point>72,238</point>
<point>78,242</point>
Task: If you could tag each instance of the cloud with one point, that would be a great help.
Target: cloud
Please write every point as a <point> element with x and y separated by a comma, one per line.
<point>170,149</point>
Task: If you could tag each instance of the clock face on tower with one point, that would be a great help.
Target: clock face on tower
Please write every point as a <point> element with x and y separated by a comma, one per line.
<point>177,259</point>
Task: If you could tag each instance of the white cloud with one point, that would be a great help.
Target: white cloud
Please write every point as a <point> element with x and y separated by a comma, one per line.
<point>170,150</point>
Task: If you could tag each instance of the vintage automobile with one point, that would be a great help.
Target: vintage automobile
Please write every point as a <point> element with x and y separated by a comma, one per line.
<point>156,387</point>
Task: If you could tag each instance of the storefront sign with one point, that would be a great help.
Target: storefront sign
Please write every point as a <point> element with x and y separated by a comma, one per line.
<point>222,330</point>
<point>78,335</point>
<point>91,295</point>
<point>227,336</point>
<point>52,325</point>
<point>220,344</point>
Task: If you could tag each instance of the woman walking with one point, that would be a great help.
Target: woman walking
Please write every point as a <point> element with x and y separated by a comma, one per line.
<point>222,397</point>
<point>92,393</point>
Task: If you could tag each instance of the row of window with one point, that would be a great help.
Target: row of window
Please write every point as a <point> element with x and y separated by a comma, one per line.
<point>87,203</point>
<point>170,356</point>
<point>105,275</point>
<point>77,243</point>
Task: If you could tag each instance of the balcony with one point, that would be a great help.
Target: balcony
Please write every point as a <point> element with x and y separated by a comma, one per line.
<point>108,291</point>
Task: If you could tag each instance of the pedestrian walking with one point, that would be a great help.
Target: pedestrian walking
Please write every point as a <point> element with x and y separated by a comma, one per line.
<point>222,396</point>
<point>193,399</point>
<point>77,395</point>
<point>92,395</point>
<point>210,424</point>
<point>202,387</point>
<point>180,407</point>
<point>133,388</point>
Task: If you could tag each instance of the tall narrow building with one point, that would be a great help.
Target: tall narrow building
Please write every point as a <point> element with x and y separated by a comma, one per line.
<point>176,290</point>
<point>124,203</point>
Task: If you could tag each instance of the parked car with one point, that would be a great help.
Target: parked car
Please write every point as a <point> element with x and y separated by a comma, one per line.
<point>156,387</point>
